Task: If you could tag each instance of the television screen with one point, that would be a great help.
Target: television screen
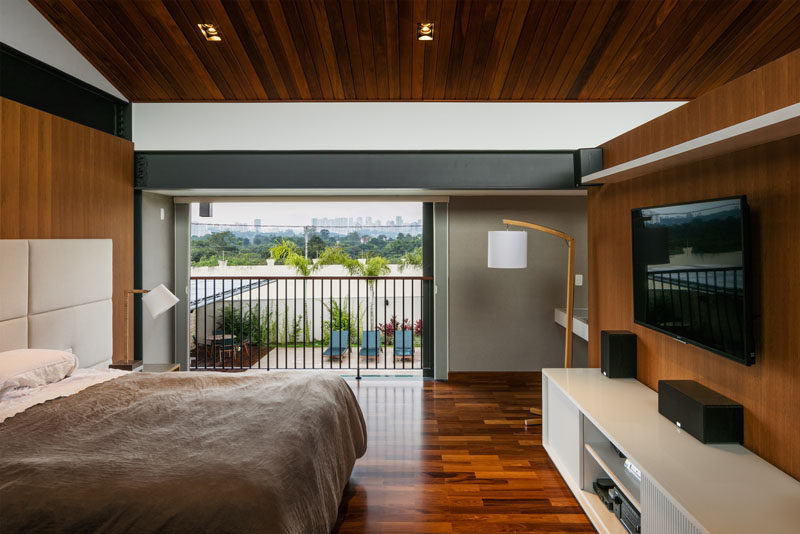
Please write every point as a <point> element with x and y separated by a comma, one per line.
<point>691,274</point>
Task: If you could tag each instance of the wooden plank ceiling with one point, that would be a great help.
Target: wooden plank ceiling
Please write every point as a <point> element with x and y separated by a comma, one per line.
<point>496,50</point>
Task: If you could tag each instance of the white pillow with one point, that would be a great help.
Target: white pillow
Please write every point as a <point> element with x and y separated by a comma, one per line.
<point>34,367</point>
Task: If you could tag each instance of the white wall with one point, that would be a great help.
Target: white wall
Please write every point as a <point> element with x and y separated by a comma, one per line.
<point>24,28</point>
<point>386,125</point>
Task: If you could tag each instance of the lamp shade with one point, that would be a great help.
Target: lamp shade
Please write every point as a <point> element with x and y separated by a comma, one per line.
<point>158,300</point>
<point>508,250</point>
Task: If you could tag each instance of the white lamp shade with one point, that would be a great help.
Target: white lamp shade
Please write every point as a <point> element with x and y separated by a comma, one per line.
<point>508,250</point>
<point>158,300</point>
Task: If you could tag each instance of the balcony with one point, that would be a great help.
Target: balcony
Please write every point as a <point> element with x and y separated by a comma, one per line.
<point>350,324</point>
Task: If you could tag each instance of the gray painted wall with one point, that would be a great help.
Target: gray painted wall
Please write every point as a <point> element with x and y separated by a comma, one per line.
<point>158,267</point>
<point>181,273</point>
<point>441,297</point>
<point>502,320</point>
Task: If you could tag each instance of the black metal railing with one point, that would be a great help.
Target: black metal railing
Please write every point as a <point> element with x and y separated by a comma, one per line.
<point>307,322</point>
<point>703,303</point>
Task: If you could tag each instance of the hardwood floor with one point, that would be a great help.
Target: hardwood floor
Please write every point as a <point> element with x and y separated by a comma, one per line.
<point>448,457</point>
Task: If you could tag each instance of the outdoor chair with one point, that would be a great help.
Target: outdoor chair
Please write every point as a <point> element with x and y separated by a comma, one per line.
<point>340,341</point>
<point>370,343</point>
<point>403,343</point>
<point>225,347</point>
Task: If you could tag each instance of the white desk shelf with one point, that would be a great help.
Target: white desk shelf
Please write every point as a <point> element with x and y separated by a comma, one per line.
<point>580,321</point>
<point>687,487</point>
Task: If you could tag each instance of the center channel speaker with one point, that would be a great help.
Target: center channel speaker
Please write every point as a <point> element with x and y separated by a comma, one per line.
<point>700,411</point>
<point>618,353</point>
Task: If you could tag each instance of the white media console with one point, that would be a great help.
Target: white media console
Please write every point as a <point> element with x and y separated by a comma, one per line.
<point>686,487</point>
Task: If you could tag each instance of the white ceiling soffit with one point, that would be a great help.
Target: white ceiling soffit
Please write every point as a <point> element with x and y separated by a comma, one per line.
<point>24,28</point>
<point>387,125</point>
<point>184,196</point>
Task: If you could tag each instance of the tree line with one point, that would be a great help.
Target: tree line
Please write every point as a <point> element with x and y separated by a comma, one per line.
<point>239,250</point>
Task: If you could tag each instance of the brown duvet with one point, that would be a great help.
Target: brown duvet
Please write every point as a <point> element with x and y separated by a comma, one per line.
<point>183,452</point>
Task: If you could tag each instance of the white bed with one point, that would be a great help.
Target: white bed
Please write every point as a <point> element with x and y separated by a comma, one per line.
<point>71,451</point>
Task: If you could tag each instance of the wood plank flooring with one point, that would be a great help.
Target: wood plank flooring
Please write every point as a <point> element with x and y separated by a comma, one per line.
<point>455,458</point>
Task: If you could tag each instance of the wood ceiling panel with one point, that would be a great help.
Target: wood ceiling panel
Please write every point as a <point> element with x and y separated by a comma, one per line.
<point>514,50</point>
<point>538,16</point>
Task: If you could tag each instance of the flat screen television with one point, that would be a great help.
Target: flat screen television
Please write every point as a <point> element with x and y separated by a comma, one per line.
<point>691,274</point>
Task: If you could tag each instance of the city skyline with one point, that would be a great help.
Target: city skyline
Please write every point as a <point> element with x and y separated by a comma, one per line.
<point>339,217</point>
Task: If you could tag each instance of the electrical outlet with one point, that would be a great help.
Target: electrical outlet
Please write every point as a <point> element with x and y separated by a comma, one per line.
<point>578,279</point>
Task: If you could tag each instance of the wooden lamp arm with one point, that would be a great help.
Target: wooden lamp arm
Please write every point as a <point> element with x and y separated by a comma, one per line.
<point>570,278</point>
<point>545,229</point>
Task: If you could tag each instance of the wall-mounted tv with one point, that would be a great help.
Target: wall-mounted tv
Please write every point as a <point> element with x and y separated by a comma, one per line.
<point>691,275</point>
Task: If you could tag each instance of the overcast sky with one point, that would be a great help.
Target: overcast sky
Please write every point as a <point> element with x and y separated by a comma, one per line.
<point>301,213</point>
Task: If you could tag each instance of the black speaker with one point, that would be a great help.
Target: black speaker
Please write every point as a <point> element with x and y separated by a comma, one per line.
<point>618,353</point>
<point>702,412</point>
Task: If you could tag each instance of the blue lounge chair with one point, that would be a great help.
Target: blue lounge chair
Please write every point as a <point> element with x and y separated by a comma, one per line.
<point>403,343</point>
<point>340,340</point>
<point>370,343</point>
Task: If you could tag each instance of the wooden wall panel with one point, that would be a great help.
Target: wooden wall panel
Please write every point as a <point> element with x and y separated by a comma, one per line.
<point>769,176</point>
<point>59,180</point>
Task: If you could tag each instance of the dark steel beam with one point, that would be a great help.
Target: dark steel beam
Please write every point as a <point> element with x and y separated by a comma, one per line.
<point>551,169</point>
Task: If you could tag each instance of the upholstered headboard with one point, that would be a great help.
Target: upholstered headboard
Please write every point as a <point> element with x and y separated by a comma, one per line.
<point>56,294</point>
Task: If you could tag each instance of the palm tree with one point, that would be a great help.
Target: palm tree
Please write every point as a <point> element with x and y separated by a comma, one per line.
<point>289,252</point>
<point>374,266</point>
<point>411,259</point>
<point>337,256</point>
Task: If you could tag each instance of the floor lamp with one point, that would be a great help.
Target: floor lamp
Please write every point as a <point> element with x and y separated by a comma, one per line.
<point>509,250</point>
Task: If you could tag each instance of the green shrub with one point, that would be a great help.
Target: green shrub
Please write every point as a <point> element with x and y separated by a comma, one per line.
<point>340,319</point>
<point>244,325</point>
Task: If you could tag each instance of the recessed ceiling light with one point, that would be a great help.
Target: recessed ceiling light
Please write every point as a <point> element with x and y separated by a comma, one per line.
<point>209,32</point>
<point>425,31</point>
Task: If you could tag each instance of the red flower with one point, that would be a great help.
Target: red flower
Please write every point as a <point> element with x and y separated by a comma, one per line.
<point>389,328</point>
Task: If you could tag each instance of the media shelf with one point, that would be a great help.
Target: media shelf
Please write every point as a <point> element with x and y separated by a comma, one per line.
<point>595,508</point>
<point>686,487</point>
<point>614,468</point>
